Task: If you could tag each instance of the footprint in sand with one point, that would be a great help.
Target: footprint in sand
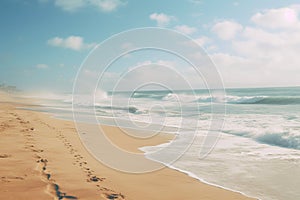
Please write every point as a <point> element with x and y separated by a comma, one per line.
<point>52,187</point>
<point>55,191</point>
<point>113,196</point>
<point>8,179</point>
<point>5,155</point>
<point>95,179</point>
<point>37,150</point>
<point>33,149</point>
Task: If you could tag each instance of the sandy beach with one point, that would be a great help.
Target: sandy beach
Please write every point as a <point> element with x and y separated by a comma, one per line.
<point>43,158</point>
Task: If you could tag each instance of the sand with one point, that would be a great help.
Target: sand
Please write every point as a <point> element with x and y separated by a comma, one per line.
<point>43,158</point>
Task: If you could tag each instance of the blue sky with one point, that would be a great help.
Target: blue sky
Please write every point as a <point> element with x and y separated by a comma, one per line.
<point>253,43</point>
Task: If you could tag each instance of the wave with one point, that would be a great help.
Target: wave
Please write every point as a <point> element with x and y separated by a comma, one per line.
<point>268,100</point>
<point>166,96</point>
<point>170,96</point>
<point>148,95</point>
<point>277,139</point>
<point>207,98</point>
<point>130,109</point>
<point>280,139</point>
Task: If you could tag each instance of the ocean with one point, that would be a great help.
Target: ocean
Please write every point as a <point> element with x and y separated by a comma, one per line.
<point>258,148</point>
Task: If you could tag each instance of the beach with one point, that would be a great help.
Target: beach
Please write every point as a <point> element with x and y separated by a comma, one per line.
<point>140,100</point>
<point>43,158</point>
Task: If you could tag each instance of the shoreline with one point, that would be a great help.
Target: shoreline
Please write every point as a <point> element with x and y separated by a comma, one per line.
<point>49,151</point>
<point>192,175</point>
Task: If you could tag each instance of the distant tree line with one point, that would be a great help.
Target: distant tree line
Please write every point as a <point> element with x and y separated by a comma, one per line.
<point>8,88</point>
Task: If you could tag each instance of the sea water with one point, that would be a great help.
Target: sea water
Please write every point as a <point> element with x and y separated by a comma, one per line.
<point>257,153</point>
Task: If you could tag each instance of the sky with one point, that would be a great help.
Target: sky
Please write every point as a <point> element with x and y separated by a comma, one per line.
<point>252,43</point>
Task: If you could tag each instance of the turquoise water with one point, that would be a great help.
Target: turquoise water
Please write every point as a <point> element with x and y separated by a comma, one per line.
<point>257,153</point>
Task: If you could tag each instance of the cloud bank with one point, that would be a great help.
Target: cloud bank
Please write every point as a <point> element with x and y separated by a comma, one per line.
<point>262,54</point>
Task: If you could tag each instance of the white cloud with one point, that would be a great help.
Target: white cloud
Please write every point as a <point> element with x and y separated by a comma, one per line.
<point>266,54</point>
<point>161,19</point>
<point>248,72</point>
<point>103,5</point>
<point>223,59</point>
<point>260,35</point>
<point>41,66</point>
<point>286,17</point>
<point>212,48</point>
<point>167,63</point>
<point>271,46</point>
<point>186,29</point>
<point>107,5</point>
<point>203,40</point>
<point>227,30</point>
<point>239,72</point>
<point>72,42</point>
